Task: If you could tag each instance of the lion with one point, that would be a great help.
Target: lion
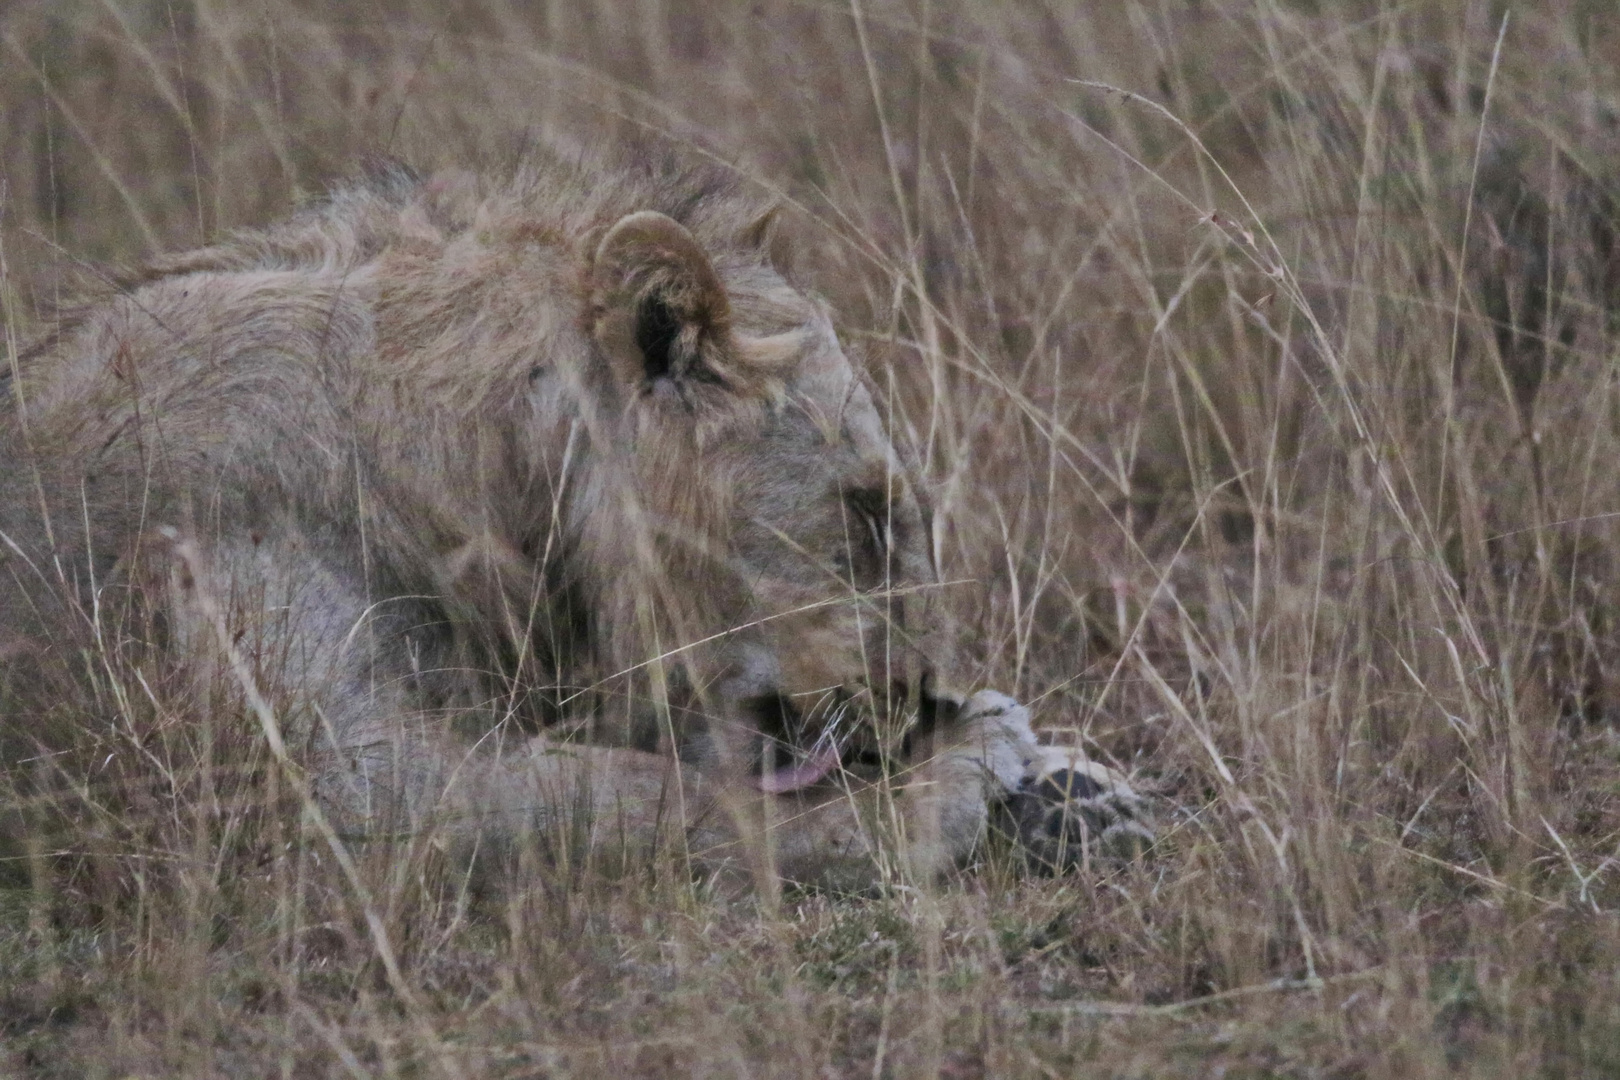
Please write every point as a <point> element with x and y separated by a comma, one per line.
<point>503,503</point>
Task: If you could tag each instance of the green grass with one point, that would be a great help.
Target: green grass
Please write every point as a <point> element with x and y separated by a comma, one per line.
<point>1273,411</point>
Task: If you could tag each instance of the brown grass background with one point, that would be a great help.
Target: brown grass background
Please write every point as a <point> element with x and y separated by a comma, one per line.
<point>1270,397</point>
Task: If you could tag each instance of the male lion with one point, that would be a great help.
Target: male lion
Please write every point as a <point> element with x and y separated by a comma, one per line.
<point>437,473</point>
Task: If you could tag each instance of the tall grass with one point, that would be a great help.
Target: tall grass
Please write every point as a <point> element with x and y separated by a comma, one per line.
<point>1261,355</point>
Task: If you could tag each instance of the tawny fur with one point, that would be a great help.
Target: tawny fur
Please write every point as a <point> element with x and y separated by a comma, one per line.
<point>465,458</point>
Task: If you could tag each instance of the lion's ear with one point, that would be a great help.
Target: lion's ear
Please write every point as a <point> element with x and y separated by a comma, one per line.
<point>765,234</point>
<point>657,302</point>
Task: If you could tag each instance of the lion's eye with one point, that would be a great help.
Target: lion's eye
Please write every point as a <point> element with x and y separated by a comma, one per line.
<point>870,535</point>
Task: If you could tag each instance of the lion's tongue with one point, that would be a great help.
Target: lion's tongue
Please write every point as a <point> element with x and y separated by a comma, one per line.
<point>820,762</point>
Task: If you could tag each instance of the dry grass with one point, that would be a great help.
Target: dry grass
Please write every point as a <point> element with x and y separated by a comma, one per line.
<point>1271,401</point>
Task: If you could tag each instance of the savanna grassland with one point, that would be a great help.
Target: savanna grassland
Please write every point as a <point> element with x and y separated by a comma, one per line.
<point>1262,358</point>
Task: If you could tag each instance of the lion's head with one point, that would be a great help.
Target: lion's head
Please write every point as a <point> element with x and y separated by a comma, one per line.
<point>750,514</point>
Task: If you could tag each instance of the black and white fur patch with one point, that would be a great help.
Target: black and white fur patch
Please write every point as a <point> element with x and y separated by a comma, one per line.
<point>1062,808</point>
<point>1069,810</point>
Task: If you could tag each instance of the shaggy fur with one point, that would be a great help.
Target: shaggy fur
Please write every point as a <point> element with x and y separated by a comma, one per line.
<point>563,453</point>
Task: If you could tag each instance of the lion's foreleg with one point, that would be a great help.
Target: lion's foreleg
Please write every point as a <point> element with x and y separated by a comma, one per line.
<point>911,828</point>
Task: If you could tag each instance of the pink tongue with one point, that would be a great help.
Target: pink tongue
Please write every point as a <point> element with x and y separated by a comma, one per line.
<point>820,762</point>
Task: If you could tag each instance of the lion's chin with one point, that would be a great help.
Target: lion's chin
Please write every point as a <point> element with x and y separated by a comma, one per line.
<point>821,761</point>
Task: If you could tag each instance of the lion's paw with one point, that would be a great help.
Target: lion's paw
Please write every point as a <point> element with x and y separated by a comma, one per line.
<point>1006,743</point>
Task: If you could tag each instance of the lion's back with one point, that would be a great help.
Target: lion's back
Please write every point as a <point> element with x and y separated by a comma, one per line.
<point>336,374</point>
